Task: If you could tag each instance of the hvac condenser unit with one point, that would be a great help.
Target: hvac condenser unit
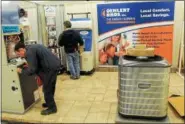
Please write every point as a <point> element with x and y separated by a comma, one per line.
<point>143,87</point>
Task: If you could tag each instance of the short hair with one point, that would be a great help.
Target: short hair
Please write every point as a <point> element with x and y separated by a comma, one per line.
<point>18,46</point>
<point>67,24</point>
<point>109,46</point>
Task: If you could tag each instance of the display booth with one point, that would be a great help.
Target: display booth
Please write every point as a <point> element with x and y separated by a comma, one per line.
<point>133,23</point>
<point>84,27</point>
<point>109,31</point>
<point>19,89</point>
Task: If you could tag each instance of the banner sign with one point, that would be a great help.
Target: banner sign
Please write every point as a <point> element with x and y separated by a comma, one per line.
<point>83,26</point>
<point>10,29</point>
<point>50,11</point>
<point>122,25</point>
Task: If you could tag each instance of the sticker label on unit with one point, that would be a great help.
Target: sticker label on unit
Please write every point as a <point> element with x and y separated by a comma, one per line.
<point>144,85</point>
<point>36,95</point>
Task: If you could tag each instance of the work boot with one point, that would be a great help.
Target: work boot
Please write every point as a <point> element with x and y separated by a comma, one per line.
<point>44,105</point>
<point>48,111</point>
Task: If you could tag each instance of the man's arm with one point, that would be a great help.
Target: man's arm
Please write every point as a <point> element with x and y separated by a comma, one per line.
<point>79,39</point>
<point>61,40</point>
<point>32,63</point>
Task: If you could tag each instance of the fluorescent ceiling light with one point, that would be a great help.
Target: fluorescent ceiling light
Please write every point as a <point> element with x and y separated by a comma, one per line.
<point>5,2</point>
<point>37,1</point>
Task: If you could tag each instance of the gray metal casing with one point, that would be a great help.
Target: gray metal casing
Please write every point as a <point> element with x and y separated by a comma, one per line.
<point>143,88</point>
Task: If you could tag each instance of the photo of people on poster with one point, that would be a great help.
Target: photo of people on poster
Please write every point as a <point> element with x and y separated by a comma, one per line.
<point>112,48</point>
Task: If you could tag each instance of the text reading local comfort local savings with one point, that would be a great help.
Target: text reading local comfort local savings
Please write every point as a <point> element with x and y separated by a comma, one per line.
<point>144,13</point>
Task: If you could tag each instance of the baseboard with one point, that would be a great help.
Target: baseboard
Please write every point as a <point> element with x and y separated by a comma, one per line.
<point>115,69</point>
<point>84,72</point>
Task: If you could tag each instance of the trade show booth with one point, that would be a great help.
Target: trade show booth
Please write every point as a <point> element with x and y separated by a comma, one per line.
<point>84,27</point>
<point>19,89</point>
<point>131,66</point>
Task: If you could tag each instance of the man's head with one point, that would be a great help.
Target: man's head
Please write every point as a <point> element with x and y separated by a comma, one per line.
<point>67,24</point>
<point>110,50</point>
<point>20,50</point>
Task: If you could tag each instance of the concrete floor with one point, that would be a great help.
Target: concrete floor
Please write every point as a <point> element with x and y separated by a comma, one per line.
<point>92,99</point>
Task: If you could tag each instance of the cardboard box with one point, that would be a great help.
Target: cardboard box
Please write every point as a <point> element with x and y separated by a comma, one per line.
<point>140,51</point>
<point>178,104</point>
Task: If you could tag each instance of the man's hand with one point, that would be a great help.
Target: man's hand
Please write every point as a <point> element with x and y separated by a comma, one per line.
<point>19,70</point>
<point>81,49</point>
<point>25,65</point>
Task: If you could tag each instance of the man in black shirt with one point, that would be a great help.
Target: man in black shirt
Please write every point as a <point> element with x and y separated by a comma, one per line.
<point>41,60</point>
<point>70,39</point>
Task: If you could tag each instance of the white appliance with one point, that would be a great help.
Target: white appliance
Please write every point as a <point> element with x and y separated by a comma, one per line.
<point>19,91</point>
<point>143,87</point>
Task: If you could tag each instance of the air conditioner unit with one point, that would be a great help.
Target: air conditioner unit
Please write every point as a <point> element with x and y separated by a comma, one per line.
<point>143,87</point>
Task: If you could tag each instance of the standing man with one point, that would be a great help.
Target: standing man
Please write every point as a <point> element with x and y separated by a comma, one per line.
<point>70,39</point>
<point>41,60</point>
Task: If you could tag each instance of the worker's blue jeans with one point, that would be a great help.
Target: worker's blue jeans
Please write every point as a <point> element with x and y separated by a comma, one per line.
<point>74,64</point>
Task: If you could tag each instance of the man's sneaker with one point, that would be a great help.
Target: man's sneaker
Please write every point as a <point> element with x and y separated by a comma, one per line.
<point>78,77</point>
<point>48,111</point>
<point>44,105</point>
<point>73,78</point>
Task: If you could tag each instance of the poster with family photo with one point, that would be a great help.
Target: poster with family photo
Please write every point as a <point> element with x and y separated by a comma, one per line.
<point>112,48</point>
<point>10,42</point>
<point>52,36</point>
<point>155,31</point>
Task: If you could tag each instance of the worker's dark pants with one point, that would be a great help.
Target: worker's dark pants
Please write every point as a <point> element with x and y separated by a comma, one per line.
<point>49,82</point>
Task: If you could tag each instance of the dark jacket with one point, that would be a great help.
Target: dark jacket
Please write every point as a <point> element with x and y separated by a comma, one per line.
<point>70,40</point>
<point>40,59</point>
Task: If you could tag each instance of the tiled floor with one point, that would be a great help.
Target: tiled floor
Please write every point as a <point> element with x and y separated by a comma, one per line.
<point>91,99</point>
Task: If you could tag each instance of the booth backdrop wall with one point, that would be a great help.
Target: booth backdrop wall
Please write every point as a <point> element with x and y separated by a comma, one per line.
<point>92,7</point>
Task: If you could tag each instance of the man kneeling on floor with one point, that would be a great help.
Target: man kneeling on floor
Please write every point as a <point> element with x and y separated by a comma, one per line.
<point>41,60</point>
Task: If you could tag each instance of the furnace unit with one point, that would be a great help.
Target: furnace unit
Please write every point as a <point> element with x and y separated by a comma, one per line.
<point>84,27</point>
<point>19,91</point>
